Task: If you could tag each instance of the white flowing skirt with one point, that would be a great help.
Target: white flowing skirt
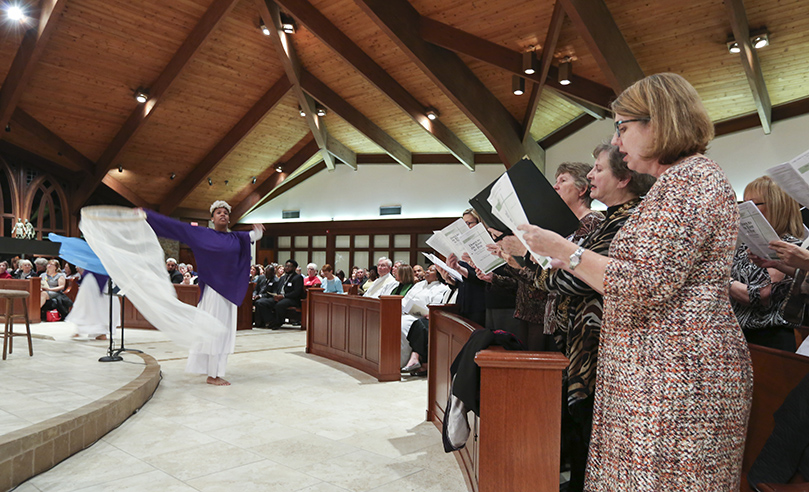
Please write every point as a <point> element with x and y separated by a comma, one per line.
<point>210,356</point>
<point>91,311</point>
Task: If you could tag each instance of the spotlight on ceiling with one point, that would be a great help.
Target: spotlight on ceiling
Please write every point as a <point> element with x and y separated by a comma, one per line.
<point>141,95</point>
<point>301,112</point>
<point>264,29</point>
<point>760,40</point>
<point>8,128</point>
<point>529,62</point>
<point>253,181</point>
<point>733,47</point>
<point>226,182</point>
<point>517,85</point>
<point>210,182</point>
<point>321,111</point>
<point>432,114</point>
<point>15,13</point>
<point>565,71</point>
<point>120,169</point>
<point>279,169</point>
<point>287,23</point>
<point>172,176</point>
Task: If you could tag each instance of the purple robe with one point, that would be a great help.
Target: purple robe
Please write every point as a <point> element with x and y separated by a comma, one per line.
<point>222,258</point>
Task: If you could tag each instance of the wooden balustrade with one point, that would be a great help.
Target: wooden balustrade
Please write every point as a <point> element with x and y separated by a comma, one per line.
<point>33,286</point>
<point>361,332</point>
<point>515,443</point>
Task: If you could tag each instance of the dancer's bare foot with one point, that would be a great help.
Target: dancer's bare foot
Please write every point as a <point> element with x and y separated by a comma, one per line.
<point>76,335</point>
<point>217,381</point>
<point>101,337</point>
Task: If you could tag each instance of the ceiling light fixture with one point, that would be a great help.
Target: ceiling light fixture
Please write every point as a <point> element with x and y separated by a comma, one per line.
<point>758,39</point>
<point>279,169</point>
<point>301,112</point>
<point>210,182</point>
<point>226,182</point>
<point>432,114</point>
<point>15,13</point>
<point>288,23</point>
<point>733,47</point>
<point>141,95</point>
<point>120,169</point>
<point>172,176</point>
<point>253,181</point>
<point>565,71</point>
<point>517,85</point>
<point>321,111</point>
<point>529,62</point>
<point>264,29</point>
<point>761,40</point>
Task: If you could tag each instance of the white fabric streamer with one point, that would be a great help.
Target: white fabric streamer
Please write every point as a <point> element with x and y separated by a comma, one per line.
<point>128,248</point>
<point>91,311</point>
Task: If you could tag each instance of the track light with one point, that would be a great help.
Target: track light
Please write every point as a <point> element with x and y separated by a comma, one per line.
<point>517,85</point>
<point>565,71</point>
<point>432,114</point>
<point>141,95</point>
<point>733,47</point>
<point>759,39</point>
<point>529,62</point>
<point>264,29</point>
<point>210,182</point>
<point>120,169</point>
<point>279,169</point>
<point>301,112</point>
<point>253,181</point>
<point>320,110</point>
<point>287,23</point>
<point>172,176</point>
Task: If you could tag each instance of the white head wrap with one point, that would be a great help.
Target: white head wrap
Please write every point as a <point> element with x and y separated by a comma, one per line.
<point>220,204</point>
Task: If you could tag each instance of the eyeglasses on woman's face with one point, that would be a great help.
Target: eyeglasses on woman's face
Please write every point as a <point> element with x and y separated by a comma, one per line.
<point>620,129</point>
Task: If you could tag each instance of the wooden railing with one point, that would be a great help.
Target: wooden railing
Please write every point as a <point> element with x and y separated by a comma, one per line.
<point>189,294</point>
<point>515,443</point>
<point>361,332</point>
<point>33,286</point>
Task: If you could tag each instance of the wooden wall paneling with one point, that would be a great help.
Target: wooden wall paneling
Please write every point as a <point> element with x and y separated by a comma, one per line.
<point>750,62</point>
<point>34,287</point>
<point>342,45</point>
<point>226,145</point>
<point>208,23</point>
<point>33,44</point>
<point>399,20</point>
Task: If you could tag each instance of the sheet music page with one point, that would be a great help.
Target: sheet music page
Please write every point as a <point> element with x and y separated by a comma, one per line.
<point>793,177</point>
<point>475,241</point>
<point>440,243</point>
<point>453,273</point>
<point>755,231</point>
<point>506,207</point>
<point>453,234</point>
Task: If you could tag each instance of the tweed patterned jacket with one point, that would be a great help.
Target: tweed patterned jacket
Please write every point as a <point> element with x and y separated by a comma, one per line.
<point>674,381</point>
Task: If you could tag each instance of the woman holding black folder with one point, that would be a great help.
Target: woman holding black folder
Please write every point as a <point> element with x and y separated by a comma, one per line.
<point>674,380</point>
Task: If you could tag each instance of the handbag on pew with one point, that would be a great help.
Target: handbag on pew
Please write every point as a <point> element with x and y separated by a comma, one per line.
<point>53,315</point>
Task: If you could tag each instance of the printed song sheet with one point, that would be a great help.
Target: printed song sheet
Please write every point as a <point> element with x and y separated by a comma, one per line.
<point>474,241</point>
<point>755,231</point>
<point>437,261</point>
<point>440,243</point>
<point>506,207</point>
<point>453,234</point>
<point>793,177</point>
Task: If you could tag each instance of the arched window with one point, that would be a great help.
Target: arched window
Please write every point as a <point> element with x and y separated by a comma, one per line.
<point>48,212</point>
<point>7,210</point>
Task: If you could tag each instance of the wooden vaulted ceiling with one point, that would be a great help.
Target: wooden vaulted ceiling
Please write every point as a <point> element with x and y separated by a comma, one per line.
<point>225,98</point>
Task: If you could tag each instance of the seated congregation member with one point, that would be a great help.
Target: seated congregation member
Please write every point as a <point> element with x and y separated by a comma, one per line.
<point>404,275</point>
<point>187,279</point>
<point>53,286</point>
<point>40,265</point>
<point>471,298</point>
<point>287,292</point>
<point>331,283</point>
<point>385,283</point>
<point>431,290</point>
<point>357,276</point>
<point>372,277</point>
<point>26,270</point>
<point>311,279</point>
<point>758,294</point>
<point>342,276</point>
<point>418,273</point>
<point>174,272</point>
<point>675,379</point>
<point>4,270</point>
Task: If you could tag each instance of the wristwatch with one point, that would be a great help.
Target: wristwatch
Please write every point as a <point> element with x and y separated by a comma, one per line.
<point>575,258</point>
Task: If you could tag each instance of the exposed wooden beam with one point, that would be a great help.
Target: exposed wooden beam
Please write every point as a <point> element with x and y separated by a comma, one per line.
<point>566,130</point>
<point>551,37</point>
<point>326,96</point>
<point>206,25</point>
<point>8,149</point>
<point>594,23</point>
<point>750,63</point>
<point>256,198</point>
<point>400,21</point>
<point>225,146</point>
<point>288,184</point>
<point>427,158</point>
<point>49,138</point>
<point>125,192</point>
<point>596,112</point>
<point>285,49</point>
<point>779,113</point>
<point>342,45</point>
<point>454,39</point>
<point>28,54</point>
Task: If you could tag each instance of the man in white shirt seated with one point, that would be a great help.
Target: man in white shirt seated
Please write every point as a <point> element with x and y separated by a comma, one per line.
<point>414,307</point>
<point>385,283</point>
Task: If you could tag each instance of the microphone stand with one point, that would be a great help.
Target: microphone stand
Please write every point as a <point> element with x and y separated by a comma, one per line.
<point>123,349</point>
<point>111,357</point>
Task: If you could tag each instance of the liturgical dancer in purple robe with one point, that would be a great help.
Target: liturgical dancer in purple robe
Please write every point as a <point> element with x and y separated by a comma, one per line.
<point>223,262</point>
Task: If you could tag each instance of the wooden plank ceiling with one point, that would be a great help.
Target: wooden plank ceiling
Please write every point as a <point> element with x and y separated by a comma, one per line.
<point>228,109</point>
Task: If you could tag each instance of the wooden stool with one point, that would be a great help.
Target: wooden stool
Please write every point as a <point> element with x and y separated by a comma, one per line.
<point>8,333</point>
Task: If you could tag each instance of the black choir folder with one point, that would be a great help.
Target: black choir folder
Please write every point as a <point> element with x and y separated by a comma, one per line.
<point>542,205</point>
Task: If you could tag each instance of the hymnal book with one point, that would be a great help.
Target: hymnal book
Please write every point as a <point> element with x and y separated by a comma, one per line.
<point>755,232</point>
<point>793,177</point>
<point>474,242</point>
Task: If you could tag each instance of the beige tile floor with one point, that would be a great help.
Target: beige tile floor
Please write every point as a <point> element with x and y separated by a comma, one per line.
<point>290,421</point>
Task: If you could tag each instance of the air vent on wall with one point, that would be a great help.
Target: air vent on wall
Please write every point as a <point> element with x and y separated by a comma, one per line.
<point>291,214</point>
<point>390,210</point>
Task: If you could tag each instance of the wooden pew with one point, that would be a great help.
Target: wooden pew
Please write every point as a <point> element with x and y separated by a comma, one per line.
<point>33,286</point>
<point>775,374</point>
<point>360,332</point>
<point>514,445</point>
<point>189,294</point>
<point>352,290</point>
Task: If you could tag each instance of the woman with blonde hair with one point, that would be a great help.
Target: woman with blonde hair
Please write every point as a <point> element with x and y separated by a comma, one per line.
<point>674,379</point>
<point>757,294</point>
